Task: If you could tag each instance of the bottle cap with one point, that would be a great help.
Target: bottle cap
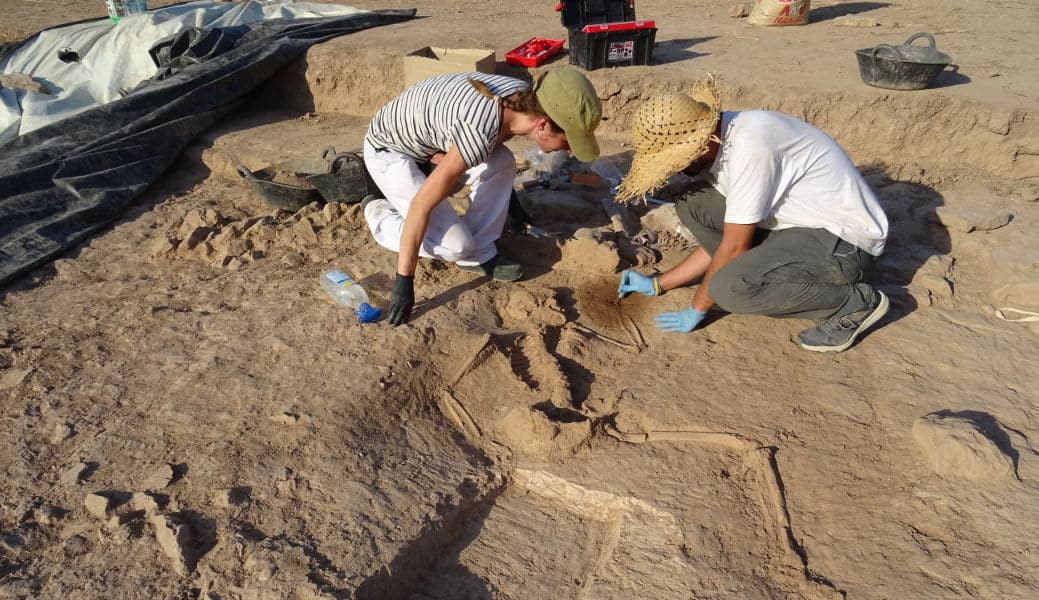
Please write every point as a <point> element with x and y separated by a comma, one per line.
<point>366,313</point>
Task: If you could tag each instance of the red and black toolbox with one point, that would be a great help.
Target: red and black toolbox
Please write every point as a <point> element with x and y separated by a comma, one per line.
<point>605,33</point>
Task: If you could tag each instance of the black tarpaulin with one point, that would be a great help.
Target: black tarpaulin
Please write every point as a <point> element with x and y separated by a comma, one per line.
<point>65,181</point>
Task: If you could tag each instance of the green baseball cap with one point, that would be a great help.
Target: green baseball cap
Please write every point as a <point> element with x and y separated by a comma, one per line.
<point>570,100</point>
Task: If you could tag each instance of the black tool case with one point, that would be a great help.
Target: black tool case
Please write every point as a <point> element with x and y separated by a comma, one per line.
<point>605,33</point>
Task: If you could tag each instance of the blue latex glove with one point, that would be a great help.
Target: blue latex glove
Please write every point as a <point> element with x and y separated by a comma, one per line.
<point>633,281</point>
<point>682,321</point>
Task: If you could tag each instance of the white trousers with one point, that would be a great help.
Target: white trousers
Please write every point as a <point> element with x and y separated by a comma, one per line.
<point>466,240</point>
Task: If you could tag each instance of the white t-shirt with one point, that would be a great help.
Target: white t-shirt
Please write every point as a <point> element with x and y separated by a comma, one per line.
<point>779,172</point>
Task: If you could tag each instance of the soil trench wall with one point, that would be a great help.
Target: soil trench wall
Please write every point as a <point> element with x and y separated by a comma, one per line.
<point>925,137</point>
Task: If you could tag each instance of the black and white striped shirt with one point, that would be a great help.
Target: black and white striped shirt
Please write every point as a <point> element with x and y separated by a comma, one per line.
<point>440,112</point>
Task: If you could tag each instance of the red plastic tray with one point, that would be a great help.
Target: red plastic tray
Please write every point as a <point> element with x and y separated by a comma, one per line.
<point>619,26</point>
<point>533,52</point>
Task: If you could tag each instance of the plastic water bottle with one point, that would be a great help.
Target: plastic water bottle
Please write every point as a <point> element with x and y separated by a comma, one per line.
<point>345,292</point>
<point>118,9</point>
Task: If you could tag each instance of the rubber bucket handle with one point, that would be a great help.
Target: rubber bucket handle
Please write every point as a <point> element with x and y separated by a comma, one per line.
<point>922,34</point>
<point>329,153</point>
<point>339,158</point>
<point>887,47</point>
<point>246,173</point>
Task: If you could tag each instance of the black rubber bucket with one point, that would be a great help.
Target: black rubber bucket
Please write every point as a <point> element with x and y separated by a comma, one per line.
<point>344,178</point>
<point>284,185</point>
<point>904,67</point>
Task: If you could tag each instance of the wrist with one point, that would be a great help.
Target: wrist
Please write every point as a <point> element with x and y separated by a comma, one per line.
<point>657,288</point>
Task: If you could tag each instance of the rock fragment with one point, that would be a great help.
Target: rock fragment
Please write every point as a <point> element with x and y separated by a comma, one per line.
<point>97,505</point>
<point>332,211</point>
<point>285,418</point>
<point>159,479</point>
<point>61,432</point>
<point>174,539</point>
<point>236,496</point>
<point>971,207</point>
<point>192,221</point>
<point>966,219</point>
<point>21,81</point>
<point>163,246</point>
<point>13,377</point>
<point>853,21</point>
<point>957,447</point>
<point>305,232</point>
<point>195,237</point>
<point>936,276</point>
<point>77,473</point>
<point>48,515</point>
<point>147,502</point>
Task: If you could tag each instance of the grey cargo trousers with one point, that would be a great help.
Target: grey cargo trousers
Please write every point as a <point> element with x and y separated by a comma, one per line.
<point>799,272</point>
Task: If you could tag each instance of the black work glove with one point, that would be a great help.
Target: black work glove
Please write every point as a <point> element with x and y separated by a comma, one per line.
<point>403,299</point>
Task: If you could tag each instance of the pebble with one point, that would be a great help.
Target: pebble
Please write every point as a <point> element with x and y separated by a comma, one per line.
<point>146,502</point>
<point>97,505</point>
<point>739,10</point>
<point>62,432</point>
<point>850,21</point>
<point>159,479</point>
<point>285,418</point>
<point>76,473</point>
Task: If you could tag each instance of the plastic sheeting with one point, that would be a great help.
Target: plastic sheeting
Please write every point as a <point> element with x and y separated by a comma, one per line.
<point>68,178</point>
<point>114,56</point>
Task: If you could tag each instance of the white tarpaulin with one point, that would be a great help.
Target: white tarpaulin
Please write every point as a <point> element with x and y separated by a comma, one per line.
<point>114,56</point>
<point>69,178</point>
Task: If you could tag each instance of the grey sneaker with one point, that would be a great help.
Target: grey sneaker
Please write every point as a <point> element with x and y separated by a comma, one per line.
<point>498,268</point>
<point>838,334</point>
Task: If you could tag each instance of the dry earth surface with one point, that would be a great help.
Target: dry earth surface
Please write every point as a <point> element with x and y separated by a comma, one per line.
<point>186,415</point>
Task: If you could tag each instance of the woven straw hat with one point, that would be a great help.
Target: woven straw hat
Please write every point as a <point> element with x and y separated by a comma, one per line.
<point>670,132</point>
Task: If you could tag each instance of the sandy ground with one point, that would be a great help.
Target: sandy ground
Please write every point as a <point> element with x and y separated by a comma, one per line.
<point>186,415</point>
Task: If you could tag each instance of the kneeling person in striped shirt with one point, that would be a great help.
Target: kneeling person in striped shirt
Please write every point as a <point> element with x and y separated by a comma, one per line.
<point>459,123</point>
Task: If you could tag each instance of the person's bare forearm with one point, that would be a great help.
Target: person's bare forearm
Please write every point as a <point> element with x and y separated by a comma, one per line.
<point>692,268</point>
<point>415,225</point>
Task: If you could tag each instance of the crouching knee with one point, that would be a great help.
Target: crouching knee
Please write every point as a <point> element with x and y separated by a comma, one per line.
<point>456,248</point>
<point>732,291</point>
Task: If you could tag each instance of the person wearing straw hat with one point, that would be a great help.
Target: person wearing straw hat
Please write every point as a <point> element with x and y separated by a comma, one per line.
<point>457,123</point>
<point>786,224</point>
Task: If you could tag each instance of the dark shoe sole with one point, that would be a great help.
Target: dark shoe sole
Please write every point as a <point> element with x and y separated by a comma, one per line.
<point>477,269</point>
<point>368,200</point>
<point>877,314</point>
